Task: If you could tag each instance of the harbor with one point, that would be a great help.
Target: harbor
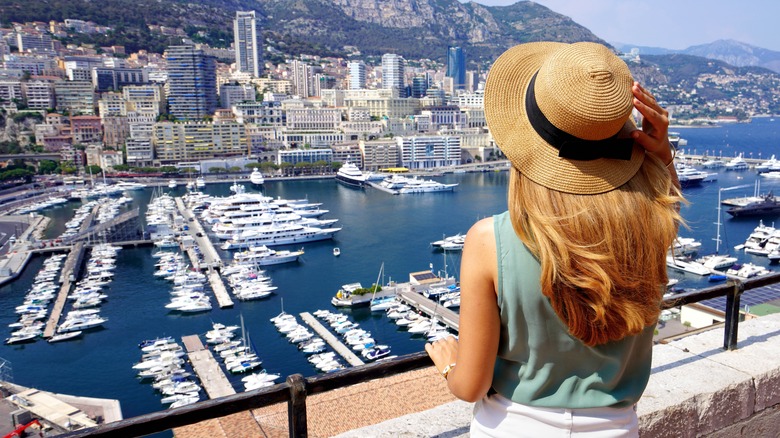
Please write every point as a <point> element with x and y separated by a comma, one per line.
<point>396,230</point>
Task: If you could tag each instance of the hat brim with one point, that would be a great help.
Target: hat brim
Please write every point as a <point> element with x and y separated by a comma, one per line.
<point>507,120</point>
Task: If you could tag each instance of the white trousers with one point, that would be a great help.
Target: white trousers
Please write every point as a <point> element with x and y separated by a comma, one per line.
<point>497,416</point>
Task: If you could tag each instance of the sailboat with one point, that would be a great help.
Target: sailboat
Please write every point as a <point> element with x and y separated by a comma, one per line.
<point>718,261</point>
<point>246,360</point>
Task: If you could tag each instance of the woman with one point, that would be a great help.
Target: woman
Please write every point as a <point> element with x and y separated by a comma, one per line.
<point>561,293</point>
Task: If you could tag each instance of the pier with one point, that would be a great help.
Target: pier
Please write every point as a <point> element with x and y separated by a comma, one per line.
<point>431,308</point>
<point>206,367</point>
<point>328,337</point>
<point>195,230</point>
<point>220,291</point>
<point>70,272</point>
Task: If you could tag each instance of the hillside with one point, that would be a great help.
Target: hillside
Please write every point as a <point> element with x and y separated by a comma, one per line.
<point>412,28</point>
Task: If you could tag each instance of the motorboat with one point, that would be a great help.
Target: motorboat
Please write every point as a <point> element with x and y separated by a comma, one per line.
<point>686,265</point>
<point>737,163</point>
<point>200,182</point>
<point>172,184</point>
<point>65,336</point>
<point>336,251</point>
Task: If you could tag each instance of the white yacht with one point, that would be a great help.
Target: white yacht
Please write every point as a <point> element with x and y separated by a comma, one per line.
<point>349,174</point>
<point>405,185</point>
<point>737,163</point>
<point>200,182</point>
<point>262,255</point>
<point>256,177</point>
<point>279,234</point>
<point>226,229</point>
<point>172,184</point>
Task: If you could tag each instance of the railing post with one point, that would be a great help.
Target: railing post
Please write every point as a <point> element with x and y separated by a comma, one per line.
<point>732,316</point>
<point>296,407</point>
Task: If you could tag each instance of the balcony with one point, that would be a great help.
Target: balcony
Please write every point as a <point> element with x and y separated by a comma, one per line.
<point>718,381</point>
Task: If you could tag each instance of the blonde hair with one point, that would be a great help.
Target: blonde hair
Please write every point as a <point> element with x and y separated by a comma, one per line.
<point>603,257</point>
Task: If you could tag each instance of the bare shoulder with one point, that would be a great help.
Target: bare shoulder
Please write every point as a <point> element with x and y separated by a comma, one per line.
<point>481,231</point>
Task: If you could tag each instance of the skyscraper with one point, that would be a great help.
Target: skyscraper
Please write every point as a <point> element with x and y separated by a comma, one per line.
<point>393,72</point>
<point>456,67</point>
<point>245,37</point>
<point>192,82</point>
<point>357,75</point>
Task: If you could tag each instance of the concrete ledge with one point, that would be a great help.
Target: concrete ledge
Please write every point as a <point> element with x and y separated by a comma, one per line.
<point>696,388</point>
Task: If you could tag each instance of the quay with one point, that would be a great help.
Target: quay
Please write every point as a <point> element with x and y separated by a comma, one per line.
<point>195,230</point>
<point>328,337</point>
<point>419,302</point>
<point>206,367</point>
<point>70,272</point>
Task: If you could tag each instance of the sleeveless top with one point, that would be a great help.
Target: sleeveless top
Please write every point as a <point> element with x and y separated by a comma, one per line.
<point>539,363</point>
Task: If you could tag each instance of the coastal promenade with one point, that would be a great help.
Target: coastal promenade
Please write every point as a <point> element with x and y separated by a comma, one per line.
<point>12,263</point>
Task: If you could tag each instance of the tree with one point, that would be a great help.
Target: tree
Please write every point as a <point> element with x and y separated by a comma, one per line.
<point>47,167</point>
<point>217,170</point>
<point>302,167</point>
<point>121,167</point>
<point>268,166</point>
<point>15,174</point>
<point>168,169</point>
<point>94,170</point>
<point>234,169</point>
<point>253,165</point>
<point>285,167</point>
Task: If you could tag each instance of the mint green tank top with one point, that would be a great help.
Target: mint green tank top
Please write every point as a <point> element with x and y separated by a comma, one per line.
<point>539,363</point>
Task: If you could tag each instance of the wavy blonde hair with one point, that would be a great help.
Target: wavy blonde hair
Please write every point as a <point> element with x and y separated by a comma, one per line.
<point>603,257</point>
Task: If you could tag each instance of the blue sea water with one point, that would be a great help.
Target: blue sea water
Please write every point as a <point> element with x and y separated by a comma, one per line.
<point>378,228</point>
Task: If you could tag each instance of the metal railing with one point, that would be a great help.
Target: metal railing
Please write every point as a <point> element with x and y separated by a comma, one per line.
<point>295,390</point>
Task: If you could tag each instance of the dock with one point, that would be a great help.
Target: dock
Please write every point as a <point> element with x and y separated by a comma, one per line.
<point>67,278</point>
<point>328,337</point>
<point>195,230</point>
<point>220,291</point>
<point>431,308</point>
<point>206,367</point>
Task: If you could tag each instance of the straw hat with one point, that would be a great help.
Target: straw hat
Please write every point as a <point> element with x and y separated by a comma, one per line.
<point>561,114</point>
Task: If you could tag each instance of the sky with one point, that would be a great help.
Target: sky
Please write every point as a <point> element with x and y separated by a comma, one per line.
<point>671,24</point>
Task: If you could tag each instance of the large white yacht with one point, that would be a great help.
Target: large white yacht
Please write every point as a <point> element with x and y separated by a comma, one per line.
<point>226,229</point>
<point>349,174</point>
<point>279,234</point>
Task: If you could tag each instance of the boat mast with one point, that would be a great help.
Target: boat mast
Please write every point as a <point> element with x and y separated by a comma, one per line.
<point>376,285</point>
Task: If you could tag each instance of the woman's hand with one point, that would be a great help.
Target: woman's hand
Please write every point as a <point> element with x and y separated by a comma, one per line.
<point>443,352</point>
<point>654,136</point>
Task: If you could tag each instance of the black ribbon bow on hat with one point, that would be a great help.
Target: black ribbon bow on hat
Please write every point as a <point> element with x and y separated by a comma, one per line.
<point>569,146</point>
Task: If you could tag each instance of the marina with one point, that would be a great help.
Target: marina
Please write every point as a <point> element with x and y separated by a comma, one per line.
<point>396,230</point>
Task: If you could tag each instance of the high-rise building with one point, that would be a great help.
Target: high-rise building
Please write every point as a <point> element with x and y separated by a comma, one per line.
<point>302,78</point>
<point>456,67</point>
<point>248,50</point>
<point>420,85</point>
<point>192,82</point>
<point>393,72</point>
<point>357,75</point>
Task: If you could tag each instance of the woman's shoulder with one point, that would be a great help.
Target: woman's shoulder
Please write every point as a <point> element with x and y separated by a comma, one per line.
<point>481,229</point>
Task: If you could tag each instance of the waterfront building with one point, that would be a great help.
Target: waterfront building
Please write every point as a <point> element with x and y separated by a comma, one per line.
<point>192,82</point>
<point>444,116</point>
<point>430,151</point>
<point>456,67</point>
<point>393,72</point>
<point>357,75</point>
<point>348,152</point>
<point>295,156</point>
<point>187,141</point>
<point>246,34</point>
<point>232,94</point>
<point>140,152</point>
<point>379,154</point>
<point>76,97</point>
